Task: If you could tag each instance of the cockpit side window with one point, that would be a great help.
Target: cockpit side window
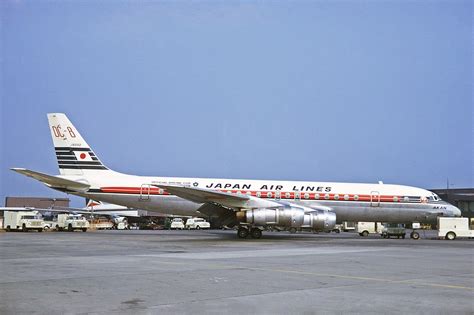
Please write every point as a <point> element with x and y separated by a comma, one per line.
<point>434,197</point>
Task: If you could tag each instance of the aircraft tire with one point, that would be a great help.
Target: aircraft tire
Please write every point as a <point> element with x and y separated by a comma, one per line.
<point>256,233</point>
<point>415,235</point>
<point>242,232</point>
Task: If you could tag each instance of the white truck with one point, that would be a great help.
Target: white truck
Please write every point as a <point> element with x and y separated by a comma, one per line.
<point>23,221</point>
<point>451,228</point>
<point>348,226</point>
<point>366,228</point>
<point>71,222</point>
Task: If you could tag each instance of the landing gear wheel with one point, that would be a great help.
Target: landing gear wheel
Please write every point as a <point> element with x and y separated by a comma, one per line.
<point>256,233</point>
<point>415,235</point>
<point>292,230</point>
<point>242,232</point>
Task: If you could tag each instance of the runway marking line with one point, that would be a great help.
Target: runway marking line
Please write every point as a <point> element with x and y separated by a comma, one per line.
<point>409,281</point>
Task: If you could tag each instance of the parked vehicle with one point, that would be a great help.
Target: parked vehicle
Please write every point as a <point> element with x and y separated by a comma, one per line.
<point>120,223</point>
<point>452,228</point>
<point>348,226</point>
<point>177,223</point>
<point>393,229</point>
<point>71,222</point>
<point>366,228</point>
<point>197,223</point>
<point>23,221</point>
<point>48,225</point>
<point>337,228</point>
<point>101,224</point>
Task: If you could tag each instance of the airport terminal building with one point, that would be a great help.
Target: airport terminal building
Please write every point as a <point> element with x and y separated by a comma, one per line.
<point>463,198</point>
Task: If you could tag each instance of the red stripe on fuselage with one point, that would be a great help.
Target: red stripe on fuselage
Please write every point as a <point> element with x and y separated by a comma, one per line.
<point>264,194</point>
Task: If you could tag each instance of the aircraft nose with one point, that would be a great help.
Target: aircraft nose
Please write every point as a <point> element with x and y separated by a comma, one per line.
<point>456,211</point>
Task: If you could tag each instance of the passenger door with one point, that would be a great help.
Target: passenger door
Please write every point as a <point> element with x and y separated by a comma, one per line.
<point>374,199</point>
<point>145,192</point>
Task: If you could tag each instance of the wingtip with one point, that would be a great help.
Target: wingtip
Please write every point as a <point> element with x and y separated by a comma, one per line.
<point>18,169</point>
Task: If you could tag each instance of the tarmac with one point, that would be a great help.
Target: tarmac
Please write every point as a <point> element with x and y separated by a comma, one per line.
<point>213,272</point>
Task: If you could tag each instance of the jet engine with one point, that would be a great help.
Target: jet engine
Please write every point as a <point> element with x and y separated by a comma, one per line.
<point>294,217</point>
<point>320,220</point>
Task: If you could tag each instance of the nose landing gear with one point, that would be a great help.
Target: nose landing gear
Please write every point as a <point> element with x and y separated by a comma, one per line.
<point>415,235</point>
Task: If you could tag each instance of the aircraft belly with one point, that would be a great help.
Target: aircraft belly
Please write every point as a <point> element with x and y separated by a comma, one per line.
<point>162,204</point>
<point>385,212</point>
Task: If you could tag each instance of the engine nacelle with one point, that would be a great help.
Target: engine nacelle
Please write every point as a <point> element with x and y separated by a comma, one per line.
<point>321,220</point>
<point>287,217</point>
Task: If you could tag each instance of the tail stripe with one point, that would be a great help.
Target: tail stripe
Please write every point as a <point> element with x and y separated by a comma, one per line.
<point>67,159</point>
<point>82,167</point>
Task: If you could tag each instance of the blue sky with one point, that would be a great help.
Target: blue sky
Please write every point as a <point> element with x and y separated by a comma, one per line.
<point>356,91</point>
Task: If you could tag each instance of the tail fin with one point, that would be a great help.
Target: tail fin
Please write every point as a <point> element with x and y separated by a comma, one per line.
<point>92,203</point>
<point>73,153</point>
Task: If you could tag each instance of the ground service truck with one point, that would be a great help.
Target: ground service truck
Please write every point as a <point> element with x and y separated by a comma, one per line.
<point>23,221</point>
<point>366,228</point>
<point>451,228</point>
<point>71,222</point>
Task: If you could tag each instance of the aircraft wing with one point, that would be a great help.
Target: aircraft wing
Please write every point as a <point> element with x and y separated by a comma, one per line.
<point>200,195</point>
<point>53,181</point>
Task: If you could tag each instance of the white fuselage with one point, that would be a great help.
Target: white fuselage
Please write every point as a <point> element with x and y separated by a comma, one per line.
<point>350,201</point>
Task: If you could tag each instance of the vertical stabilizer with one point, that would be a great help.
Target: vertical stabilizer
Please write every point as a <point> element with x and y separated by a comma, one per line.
<point>72,151</point>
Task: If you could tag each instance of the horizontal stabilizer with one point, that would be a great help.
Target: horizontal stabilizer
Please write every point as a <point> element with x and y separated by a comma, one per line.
<point>53,181</point>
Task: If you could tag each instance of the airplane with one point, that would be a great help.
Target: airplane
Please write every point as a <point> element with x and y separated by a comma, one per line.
<point>250,205</point>
<point>99,208</point>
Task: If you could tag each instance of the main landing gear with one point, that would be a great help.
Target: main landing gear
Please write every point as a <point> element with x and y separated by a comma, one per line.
<point>244,232</point>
